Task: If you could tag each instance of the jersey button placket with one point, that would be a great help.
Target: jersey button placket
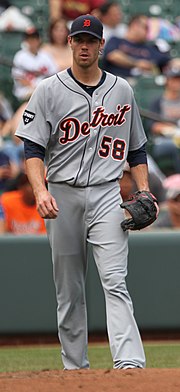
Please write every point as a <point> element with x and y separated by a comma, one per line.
<point>91,144</point>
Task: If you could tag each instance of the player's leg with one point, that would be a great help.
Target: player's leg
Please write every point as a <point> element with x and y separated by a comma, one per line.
<point>110,250</point>
<point>68,243</point>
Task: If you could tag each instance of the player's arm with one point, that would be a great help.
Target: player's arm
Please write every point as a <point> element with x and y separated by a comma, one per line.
<point>35,169</point>
<point>137,160</point>
<point>142,205</point>
<point>140,176</point>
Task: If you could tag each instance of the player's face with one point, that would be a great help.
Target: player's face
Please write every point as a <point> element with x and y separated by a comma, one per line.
<point>85,48</point>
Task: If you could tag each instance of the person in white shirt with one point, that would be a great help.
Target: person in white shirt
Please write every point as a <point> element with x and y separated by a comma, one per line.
<point>30,66</point>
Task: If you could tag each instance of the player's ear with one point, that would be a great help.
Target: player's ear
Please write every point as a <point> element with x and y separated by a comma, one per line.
<point>102,42</point>
<point>69,40</point>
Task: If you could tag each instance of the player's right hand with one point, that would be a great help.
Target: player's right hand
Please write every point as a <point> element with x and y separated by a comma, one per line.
<point>46,205</point>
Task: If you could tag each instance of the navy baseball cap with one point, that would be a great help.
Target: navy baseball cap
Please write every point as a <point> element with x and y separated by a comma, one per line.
<point>87,24</point>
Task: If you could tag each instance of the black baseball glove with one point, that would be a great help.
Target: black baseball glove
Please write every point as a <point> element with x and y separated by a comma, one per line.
<point>142,206</point>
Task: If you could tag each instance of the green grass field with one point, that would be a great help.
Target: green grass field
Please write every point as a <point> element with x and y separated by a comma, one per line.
<point>47,357</point>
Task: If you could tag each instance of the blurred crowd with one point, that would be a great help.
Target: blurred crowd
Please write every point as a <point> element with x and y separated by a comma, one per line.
<point>138,48</point>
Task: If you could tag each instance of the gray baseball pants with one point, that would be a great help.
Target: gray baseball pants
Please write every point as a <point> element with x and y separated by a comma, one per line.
<point>92,214</point>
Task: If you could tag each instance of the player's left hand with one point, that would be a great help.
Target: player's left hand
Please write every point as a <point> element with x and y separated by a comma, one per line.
<point>143,208</point>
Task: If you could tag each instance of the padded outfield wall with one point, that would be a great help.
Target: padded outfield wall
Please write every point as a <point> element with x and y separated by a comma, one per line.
<point>27,294</point>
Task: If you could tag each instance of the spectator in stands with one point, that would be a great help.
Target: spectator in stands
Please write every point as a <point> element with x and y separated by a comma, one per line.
<point>169,216</point>
<point>12,18</point>
<point>6,171</point>
<point>6,112</point>
<point>58,47</point>
<point>111,17</point>
<point>30,66</point>
<point>132,55</point>
<point>166,134</point>
<point>160,28</point>
<point>10,144</point>
<point>18,213</point>
<point>72,9</point>
<point>4,5</point>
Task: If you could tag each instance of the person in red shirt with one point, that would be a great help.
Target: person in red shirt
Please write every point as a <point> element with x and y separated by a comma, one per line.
<point>71,9</point>
<point>18,213</point>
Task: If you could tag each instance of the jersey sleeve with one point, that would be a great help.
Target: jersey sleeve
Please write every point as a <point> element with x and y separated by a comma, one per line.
<point>137,133</point>
<point>34,125</point>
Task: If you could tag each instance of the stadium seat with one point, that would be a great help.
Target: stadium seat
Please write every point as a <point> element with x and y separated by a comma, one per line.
<point>37,11</point>
<point>169,9</point>
<point>146,90</point>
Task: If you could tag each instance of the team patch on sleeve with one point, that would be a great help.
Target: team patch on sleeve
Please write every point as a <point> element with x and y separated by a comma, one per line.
<point>28,116</point>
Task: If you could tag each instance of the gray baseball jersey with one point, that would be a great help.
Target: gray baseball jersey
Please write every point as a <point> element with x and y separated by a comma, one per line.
<point>87,139</point>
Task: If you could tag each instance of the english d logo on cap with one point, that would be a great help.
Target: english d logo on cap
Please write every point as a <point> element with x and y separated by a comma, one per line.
<point>87,24</point>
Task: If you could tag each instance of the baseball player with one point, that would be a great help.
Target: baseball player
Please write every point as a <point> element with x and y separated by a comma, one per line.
<point>84,124</point>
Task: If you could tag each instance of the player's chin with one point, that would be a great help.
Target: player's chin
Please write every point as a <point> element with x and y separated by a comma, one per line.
<point>84,62</point>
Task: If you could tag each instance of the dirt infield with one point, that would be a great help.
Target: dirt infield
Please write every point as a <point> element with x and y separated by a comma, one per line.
<point>148,380</point>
